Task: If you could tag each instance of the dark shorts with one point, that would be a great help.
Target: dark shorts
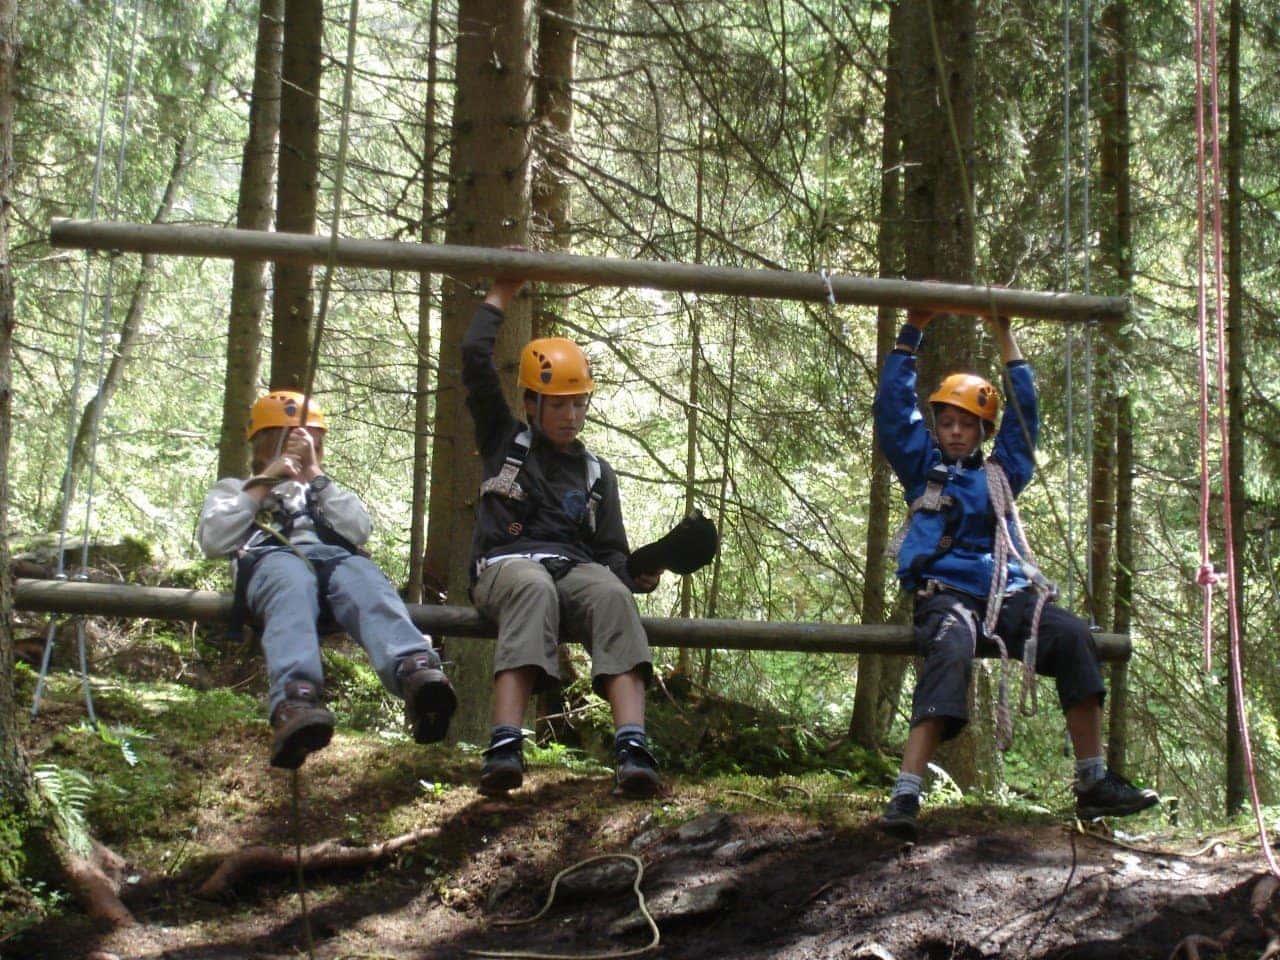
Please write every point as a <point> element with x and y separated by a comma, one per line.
<point>947,626</point>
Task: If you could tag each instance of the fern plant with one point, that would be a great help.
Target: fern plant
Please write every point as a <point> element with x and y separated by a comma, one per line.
<point>65,794</point>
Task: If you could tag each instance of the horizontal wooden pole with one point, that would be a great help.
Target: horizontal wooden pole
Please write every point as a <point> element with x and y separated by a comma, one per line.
<point>168,603</point>
<point>476,262</point>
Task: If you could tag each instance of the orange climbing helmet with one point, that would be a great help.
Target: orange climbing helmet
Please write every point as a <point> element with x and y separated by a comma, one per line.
<point>555,367</point>
<point>972,393</point>
<point>283,408</point>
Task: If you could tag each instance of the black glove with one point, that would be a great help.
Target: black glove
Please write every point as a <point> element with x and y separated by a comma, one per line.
<point>690,546</point>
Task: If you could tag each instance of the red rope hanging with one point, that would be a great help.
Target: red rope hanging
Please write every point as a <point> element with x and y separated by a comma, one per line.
<point>1207,577</point>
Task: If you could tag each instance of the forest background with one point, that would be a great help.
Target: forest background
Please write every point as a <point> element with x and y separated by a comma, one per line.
<point>758,134</point>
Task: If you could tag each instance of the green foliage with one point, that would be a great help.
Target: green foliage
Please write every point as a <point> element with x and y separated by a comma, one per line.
<point>776,113</point>
<point>66,794</point>
<point>362,702</point>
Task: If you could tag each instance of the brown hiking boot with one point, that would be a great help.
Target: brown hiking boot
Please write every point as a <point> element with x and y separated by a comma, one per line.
<point>302,725</point>
<point>429,700</point>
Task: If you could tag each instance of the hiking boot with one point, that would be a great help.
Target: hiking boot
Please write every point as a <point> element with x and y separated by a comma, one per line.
<point>899,819</point>
<point>429,700</point>
<point>1112,796</point>
<point>503,768</point>
<point>301,725</point>
<point>636,771</point>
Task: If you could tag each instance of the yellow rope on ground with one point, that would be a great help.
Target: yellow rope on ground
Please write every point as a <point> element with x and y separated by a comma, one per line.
<point>1211,844</point>
<point>613,954</point>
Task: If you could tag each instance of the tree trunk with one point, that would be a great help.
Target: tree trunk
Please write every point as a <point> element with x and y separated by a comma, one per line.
<point>864,725</point>
<point>489,178</point>
<point>1118,725</point>
<point>1237,357</point>
<point>253,212</point>
<point>296,193</point>
<point>1112,496</point>
<point>551,223</point>
<point>15,784</point>
<point>422,394</point>
<point>93,412</point>
<point>937,153</point>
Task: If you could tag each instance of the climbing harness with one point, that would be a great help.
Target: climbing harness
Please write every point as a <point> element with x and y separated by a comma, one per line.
<point>611,955</point>
<point>505,483</point>
<point>1010,545</point>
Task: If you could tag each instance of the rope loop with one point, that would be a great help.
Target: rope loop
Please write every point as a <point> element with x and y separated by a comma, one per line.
<point>825,274</point>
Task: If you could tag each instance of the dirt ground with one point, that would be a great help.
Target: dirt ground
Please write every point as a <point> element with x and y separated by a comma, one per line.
<point>779,871</point>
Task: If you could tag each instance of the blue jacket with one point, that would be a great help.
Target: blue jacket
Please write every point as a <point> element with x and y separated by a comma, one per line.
<point>912,451</point>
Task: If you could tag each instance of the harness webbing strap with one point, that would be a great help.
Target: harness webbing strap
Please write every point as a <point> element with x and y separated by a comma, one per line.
<point>505,483</point>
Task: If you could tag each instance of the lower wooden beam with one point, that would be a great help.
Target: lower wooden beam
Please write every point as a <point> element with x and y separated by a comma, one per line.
<point>206,606</point>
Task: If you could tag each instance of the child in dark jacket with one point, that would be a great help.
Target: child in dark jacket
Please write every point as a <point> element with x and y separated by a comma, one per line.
<point>954,556</point>
<point>296,536</point>
<point>550,543</point>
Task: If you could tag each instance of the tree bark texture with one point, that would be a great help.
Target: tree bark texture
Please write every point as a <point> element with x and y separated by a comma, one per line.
<point>422,392</point>
<point>937,152</point>
<point>14,781</point>
<point>253,212</point>
<point>1118,721</point>
<point>296,193</point>
<point>489,206</point>
<point>864,725</point>
<point>1237,358</point>
<point>552,221</point>
<point>1111,496</point>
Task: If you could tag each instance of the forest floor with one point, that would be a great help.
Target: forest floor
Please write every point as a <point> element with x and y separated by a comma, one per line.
<point>734,865</point>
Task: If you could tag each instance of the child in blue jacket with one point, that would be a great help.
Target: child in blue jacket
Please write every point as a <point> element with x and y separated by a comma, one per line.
<point>967,582</point>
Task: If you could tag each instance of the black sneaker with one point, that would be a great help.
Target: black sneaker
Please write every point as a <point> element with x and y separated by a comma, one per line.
<point>636,770</point>
<point>429,700</point>
<point>301,724</point>
<point>900,816</point>
<point>503,766</point>
<point>1112,796</point>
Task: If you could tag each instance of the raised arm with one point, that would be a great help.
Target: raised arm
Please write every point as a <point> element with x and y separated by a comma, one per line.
<point>485,399</point>
<point>901,429</point>
<point>1020,428</point>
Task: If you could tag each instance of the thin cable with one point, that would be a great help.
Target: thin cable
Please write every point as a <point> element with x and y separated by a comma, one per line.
<point>77,369</point>
<point>1066,285</point>
<point>340,169</point>
<point>1090,573</point>
<point>95,413</point>
<point>1233,597</point>
<point>95,416</point>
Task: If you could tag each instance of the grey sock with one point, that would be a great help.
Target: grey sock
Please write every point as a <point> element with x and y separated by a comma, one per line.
<point>908,784</point>
<point>1090,770</point>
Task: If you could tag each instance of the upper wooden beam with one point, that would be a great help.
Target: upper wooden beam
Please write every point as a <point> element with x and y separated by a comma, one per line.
<point>478,262</point>
<point>168,603</point>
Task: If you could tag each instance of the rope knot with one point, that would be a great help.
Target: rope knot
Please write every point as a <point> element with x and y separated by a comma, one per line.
<point>1206,576</point>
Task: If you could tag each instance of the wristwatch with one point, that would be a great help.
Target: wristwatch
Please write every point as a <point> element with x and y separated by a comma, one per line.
<point>318,484</point>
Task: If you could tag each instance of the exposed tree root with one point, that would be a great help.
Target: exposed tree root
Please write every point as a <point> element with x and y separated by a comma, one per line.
<point>94,881</point>
<point>326,855</point>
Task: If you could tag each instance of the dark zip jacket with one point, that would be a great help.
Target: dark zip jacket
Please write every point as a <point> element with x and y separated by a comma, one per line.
<point>553,517</point>
<point>912,450</point>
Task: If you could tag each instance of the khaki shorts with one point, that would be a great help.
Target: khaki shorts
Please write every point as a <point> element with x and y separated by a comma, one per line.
<point>592,604</point>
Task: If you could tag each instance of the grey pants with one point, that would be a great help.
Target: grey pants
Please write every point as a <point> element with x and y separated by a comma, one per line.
<point>529,606</point>
<point>284,595</point>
